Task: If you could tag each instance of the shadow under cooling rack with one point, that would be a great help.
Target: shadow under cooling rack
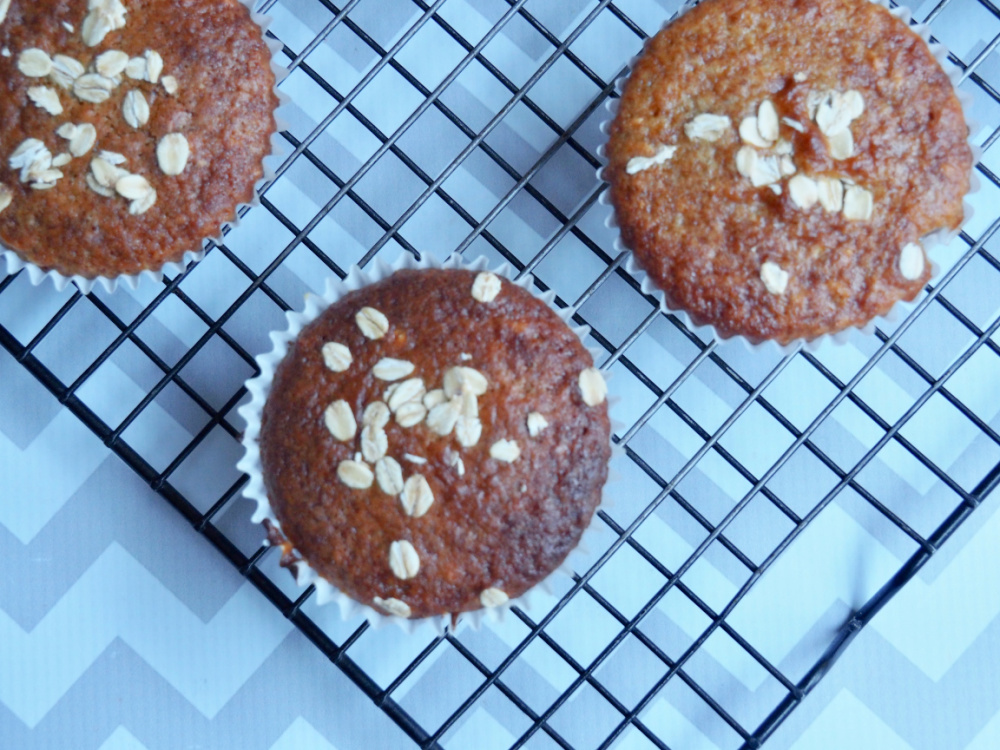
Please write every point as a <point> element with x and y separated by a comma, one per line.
<point>766,506</point>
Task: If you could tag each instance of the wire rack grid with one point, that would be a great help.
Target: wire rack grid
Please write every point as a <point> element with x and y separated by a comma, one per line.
<point>471,126</point>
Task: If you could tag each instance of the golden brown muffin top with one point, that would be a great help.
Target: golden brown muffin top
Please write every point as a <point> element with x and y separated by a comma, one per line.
<point>174,95</point>
<point>449,463</point>
<point>774,163</point>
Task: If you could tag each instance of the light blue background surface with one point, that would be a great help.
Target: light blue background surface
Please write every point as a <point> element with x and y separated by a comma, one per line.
<point>121,628</point>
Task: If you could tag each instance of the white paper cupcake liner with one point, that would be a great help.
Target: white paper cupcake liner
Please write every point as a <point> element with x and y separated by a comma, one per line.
<point>259,388</point>
<point>38,275</point>
<point>938,238</point>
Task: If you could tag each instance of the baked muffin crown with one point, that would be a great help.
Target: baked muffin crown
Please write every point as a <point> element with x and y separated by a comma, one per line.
<point>125,142</point>
<point>435,442</point>
<point>774,164</point>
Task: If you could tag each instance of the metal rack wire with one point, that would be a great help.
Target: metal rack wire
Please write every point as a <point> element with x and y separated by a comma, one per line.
<point>203,377</point>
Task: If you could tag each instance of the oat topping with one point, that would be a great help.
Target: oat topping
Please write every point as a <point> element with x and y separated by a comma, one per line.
<point>390,369</point>
<point>111,63</point>
<point>493,597</point>
<point>434,397</point>
<point>65,70</point>
<point>97,187</point>
<point>143,204</point>
<point>767,121</point>
<point>449,415</point>
<point>136,69</point>
<point>468,431</point>
<point>45,97</point>
<point>641,163</point>
<point>169,84</point>
<point>745,159</point>
<point>35,162</point>
<point>465,356</point>
<point>593,387</point>
<point>803,191</point>
<point>5,52</point>
<point>6,196</point>
<point>112,157</point>
<point>46,180</point>
<point>774,277</point>
<point>403,559</point>
<point>799,77</point>
<point>27,154</point>
<point>374,443</point>
<point>405,392</point>
<point>34,63</point>
<point>81,137</point>
<point>841,145</point>
<point>172,152</point>
<point>104,17</point>
<point>414,459</point>
<point>750,130</point>
<point>911,261</point>
<point>417,497</point>
<point>410,414</point>
<point>102,177</point>
<point>376,415</point>
<point>137,189</point>
<point>505,450</point>
<point>93,87</point>
<point>468,428</point>
<point>443,417</point>
<point>105,173</point>
<point>61,160</point>
<point>835,111</point>
<point>372,323</point>
<point>486,287</point>
<point>389,475</point>
<point>95,28</point>
<point>762,169</point>
<point>794,124</point>
<point>766,170</point>
<point>154,66</point>
<point>775,188</point>
<point>339,420</point>
<point>392,606</point>
<point>830,191</point>
<point>707,127</point>
<point>461,380</point>
<point>135,110</point>
<point>536,423</point>
<point>355,474</point>
<point>812,103</point>
<point>336,357</point>
<point>470,405</point>
<point>456,462</point>
<point>4,7</point>
<point>859,203</point>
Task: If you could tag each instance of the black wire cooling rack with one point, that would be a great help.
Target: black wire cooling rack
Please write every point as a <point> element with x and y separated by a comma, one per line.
<point>225,329</point>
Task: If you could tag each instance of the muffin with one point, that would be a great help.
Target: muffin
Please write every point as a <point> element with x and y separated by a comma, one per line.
<point>774,164</point>
<point>129,131</point>
<point>434,442</point>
